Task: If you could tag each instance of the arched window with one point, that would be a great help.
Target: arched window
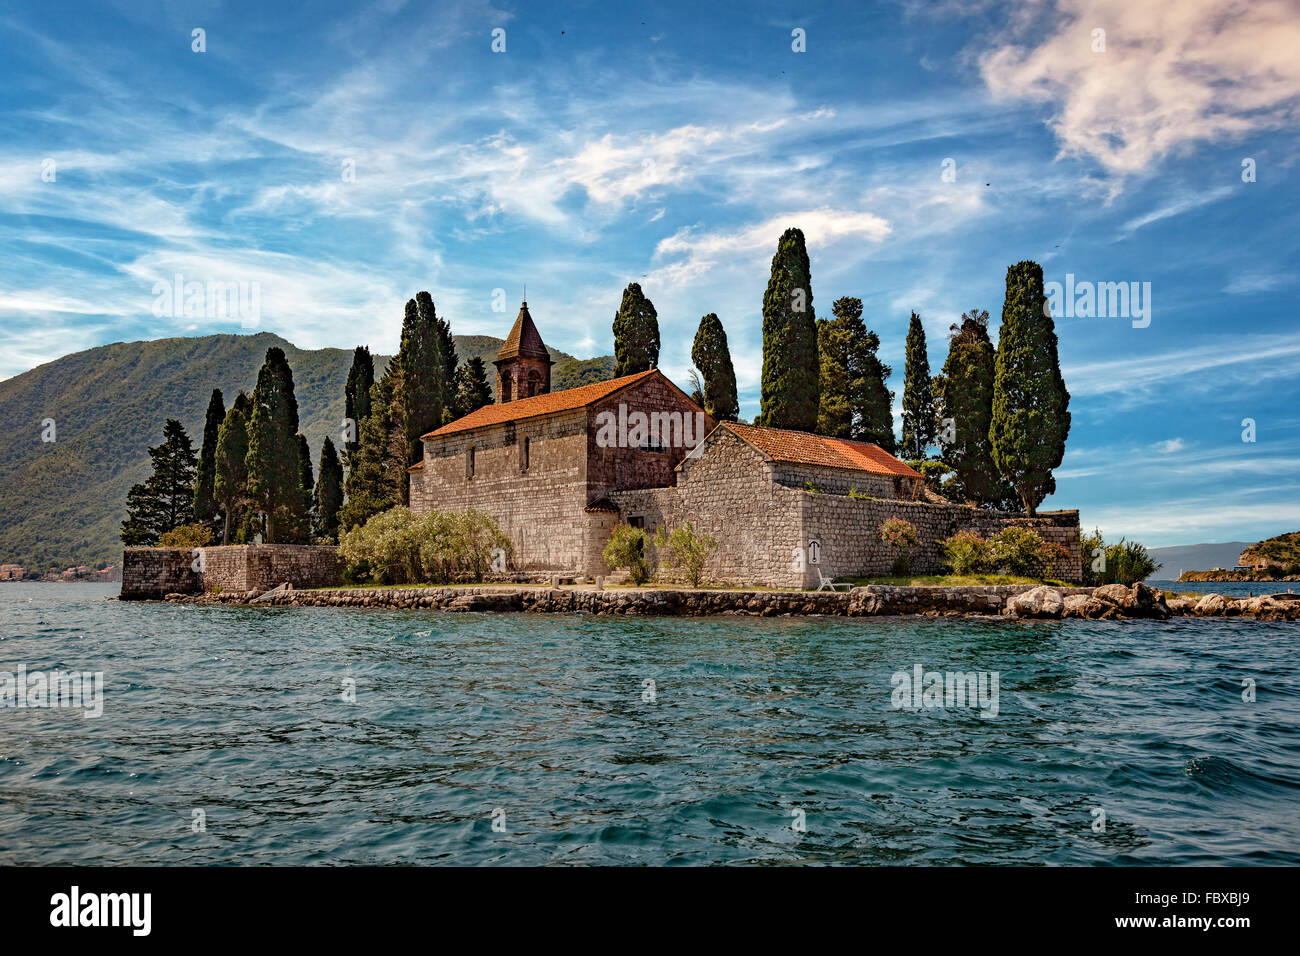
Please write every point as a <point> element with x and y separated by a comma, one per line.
<point>534,385</point>
<point>506,389</point>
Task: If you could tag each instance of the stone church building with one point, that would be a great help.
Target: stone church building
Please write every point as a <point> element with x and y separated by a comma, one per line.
<point>559,470</point>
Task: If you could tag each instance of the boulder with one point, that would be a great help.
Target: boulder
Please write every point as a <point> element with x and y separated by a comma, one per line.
<point>1076,605</point>
<point>1212,605</point>
<point>1041,602</point>
<point>1115,594</point>
<point>1182,605</point>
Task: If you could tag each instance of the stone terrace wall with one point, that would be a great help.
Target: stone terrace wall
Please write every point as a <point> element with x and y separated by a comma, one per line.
<point>150,574</point>
<point>848,531</point>
<point>153,573</point>
<point>260,567</point>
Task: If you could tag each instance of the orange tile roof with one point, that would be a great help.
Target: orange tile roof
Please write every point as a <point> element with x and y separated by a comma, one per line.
<point>548,404</point>
<point>805,448</point>
<point>418,466</point>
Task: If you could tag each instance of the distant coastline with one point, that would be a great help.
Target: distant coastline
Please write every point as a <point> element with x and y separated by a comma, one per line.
<point>1251,575</point>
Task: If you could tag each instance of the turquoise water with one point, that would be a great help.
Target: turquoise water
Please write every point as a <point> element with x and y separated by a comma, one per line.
<point>239,713</point>
<point>1227,588</point>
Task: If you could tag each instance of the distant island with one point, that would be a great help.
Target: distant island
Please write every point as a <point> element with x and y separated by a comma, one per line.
<point>1274,559</point>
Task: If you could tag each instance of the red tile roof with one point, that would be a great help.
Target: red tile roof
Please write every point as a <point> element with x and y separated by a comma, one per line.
<point>804,448</point>
<point>548,404</point>
<point>418,466</point>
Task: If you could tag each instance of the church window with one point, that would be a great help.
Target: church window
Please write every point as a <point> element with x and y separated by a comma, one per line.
<point>469,462</point>
<point>523,454</point>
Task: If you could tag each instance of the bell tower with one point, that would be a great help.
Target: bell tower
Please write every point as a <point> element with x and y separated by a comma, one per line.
<point>523,364</point>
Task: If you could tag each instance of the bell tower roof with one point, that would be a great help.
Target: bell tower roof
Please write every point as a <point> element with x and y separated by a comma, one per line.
<point>524,340</point>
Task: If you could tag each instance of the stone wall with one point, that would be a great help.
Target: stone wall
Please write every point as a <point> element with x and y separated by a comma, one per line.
<point>153,573</point>
<point>150,574</point>
<point>539,508</point>
<point>840,481</point>
<point>611,469</point>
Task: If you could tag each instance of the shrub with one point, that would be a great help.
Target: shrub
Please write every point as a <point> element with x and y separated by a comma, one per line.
<point>186,536</point>
<point>900,533</point>
<point>686,551</point>
<point>626,549</point>
<point>968,553</point>
<point>1127,562</point>
<point>398,546</point>
<point>1018,551</point>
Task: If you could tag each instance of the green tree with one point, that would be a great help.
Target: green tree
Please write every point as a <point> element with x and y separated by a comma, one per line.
<point>1030,404</point>
<point>230,472</point>
<point>856,401</point>
<point>356,394</point>
<point>305,517</point>
<point>791,367</point>
<point>965,401</point>
<point>205,504</point>
<point>636,333</point>
<point>329,492</point>
<point>420,361</point>
<point>378,472</point>
<point>166,499</point>
<point>274,476</point>
<point>447,349</point>
<point>712,357</point>
<point>918,395</point>
<point>472,390</point>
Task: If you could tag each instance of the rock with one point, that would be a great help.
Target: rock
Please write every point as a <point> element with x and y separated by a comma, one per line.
<point>1041,602</point>
<point>1076,603</point>
<point>1212,605</point>
<point>1115,594</point>
<point>1182,605</point>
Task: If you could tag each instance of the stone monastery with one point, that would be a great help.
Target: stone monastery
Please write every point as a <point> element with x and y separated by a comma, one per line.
<point>559,470</point>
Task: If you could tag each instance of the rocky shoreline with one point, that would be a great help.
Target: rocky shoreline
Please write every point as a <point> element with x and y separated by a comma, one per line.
<point>1109,602</point>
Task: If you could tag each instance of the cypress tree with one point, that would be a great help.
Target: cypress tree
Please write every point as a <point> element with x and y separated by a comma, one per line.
<point>472,390</point>
<point>918,395</point>
<point>304,525</point>
<point>711,356</point>
<point>636,333</point>
<point>835,411</point>
<point>274,478</point>
<point>329,492</point>
<point>420,361</point>
<point>377,479</point>
<point>873,412</point>
<point>230,471</point>
<point>966,397</point>
<point>356,394</point>
<point>855,401</point>
<point>791,366</point>
<point>205,505</point>
<point>166,500</point>
<point>447,349</point>
<point>1030,404</point>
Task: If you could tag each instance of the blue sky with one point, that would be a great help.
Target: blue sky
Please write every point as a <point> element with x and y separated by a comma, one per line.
<point>671,146</point>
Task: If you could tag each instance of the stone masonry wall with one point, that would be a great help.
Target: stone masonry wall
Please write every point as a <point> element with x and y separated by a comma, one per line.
<point>150,574</point>
<point>617,468</point>
<point>539,508</point>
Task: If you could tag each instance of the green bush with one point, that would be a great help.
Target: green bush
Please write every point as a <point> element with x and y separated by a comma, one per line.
<point>686,551</point>
<point>186,536</point>
<point>1125,562</point>
<point>968,553</point>
<point>398,546</point>
<point>1018,551</point>
<point>626,549</point>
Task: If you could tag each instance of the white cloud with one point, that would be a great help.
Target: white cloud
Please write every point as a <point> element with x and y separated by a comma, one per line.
<point>1169,446</point>
<point>1174,72</point>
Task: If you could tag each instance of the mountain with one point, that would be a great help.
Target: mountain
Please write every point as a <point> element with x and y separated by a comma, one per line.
<point>61,501</point>
<point>1196,557</point>
<point>1282,551</point>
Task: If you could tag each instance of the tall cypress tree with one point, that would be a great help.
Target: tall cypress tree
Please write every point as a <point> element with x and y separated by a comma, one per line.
<point>712,357</point>
<point>304,526</point>
<point>966,397</point>
<point>274,478</point>
<point>420,361</point>
<point>166,499</point>
<point>378,476</point>
<point>472,389</point>
<point>855,401</point>
<point>356,394</point>
<point>835,411</point>
<point>205,505</point>
<point>636,333</point>
<point>230,469</point>
<point>873,401</point>
<point>1030,404</point>
<point>329,491</point>
<point>791,366</point>
<point>447,349</point>
<point>918,395</point>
